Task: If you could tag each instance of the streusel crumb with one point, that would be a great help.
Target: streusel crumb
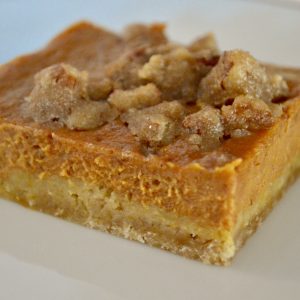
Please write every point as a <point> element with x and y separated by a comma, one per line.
<point>99,88</point>
<point>206,128</point>
<point>165,91</point>
<point>238,73</point>
<point>247,114</point>
<point>157,125</point>
<point>175,74</point>
<point>140,97</point>
<point>124,71</point>
<point>172,109</point>
<point>153,129</point>
<point>57,91</point>
<point>60,96</point>
<point>90,115</point>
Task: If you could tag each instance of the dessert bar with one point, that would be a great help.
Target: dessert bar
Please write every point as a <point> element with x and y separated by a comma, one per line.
<point>182,147</point>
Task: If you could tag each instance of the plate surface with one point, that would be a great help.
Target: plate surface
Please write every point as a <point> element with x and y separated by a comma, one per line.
<point>42,257</point>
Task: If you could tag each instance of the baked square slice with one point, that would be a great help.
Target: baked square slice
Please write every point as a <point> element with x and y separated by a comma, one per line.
<point>180,147</point>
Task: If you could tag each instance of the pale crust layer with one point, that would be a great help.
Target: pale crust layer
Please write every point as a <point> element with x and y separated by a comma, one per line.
<point>99,208</point>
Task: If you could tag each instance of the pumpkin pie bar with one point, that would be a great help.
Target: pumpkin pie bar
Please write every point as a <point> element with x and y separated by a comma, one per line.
<point>182,147</point>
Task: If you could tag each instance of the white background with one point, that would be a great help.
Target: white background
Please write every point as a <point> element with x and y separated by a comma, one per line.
<point>42,257</point>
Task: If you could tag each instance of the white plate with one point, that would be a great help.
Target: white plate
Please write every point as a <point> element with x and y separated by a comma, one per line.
<point>42,257</point>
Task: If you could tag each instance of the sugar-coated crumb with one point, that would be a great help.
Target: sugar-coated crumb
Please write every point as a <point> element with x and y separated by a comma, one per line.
<point>140,97</point>
<point>90,115</point>
<point>124,70</point>
<point>163,91</point>
<point>99,89</point>
<point>60,96</point>
<point>157,125</point>
<point>57,90</point>
<point>205,127</point>
<point>247,114</point>
<point>238,73</point>
<point>174,73</point>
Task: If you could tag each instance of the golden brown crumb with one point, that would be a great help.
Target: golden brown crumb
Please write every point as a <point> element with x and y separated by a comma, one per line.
<point>153,86</point>
<point>60,96</point>
<point>238,73</point>
<point>171,109</point>
<point>205,127</point>
<point>90,115</point>
<point>99,89</point>
<point>140,35</point>
<point>279,86</point>
<point>154,130</point>
<point>140,97</point>
<point>247,114</point>
<point>57,90</point>
<point>157,125</point>
<point>124,71</point>
<point>174,73</point>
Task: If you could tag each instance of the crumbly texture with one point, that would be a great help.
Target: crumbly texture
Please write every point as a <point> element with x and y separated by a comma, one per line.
<point>57,90</point>
<point>247,114</point>
<point>90,115</point>
<point>174,73</point>
<point>60,96</point>
<point>205,127</point>
<point>163,91</point>
<point>157,125</point>
<point>99,88</point>
<point>238,73</point>
<point>141,42</point>
<point>143,96</point>
<point>123,72</point>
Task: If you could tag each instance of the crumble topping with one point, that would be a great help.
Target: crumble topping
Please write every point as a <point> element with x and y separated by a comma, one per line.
<point>163,91</point>
<point>247,113</point>
<point>143,96</point>
<point>205,127</point>
<point>57,89</point>
<point>123,72</point>
<point>238,73</point>
<point>141,42</point>
<point>152,129</point>
<point>90,115</point>
<point>157,125</point>
<point>60,96</point>
<point>99,88</point>
<point>174,73</point>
